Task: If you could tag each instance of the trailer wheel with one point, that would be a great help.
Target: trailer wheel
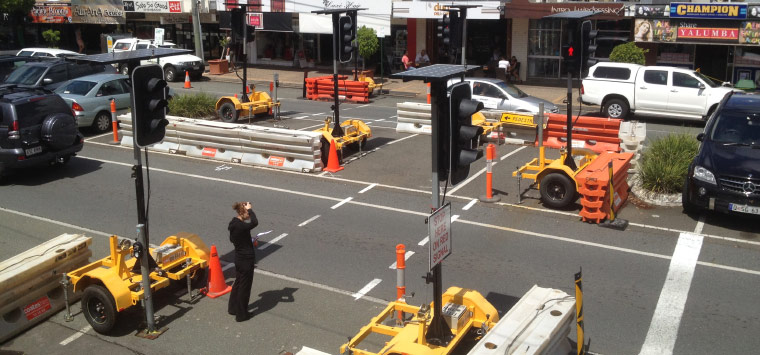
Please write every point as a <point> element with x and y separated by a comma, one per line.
<point>99,308</point>
<point>228,113</point>
<point>199,278</point>
<point>557,190</point>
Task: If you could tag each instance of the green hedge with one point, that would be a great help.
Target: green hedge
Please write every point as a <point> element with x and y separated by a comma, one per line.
<point>665,162</point>
<point>193,106</point>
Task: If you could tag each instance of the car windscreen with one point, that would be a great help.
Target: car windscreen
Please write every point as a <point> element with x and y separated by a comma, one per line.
<point>511,89</point>
<point>76,87</point>
<point>26,75</point>
<point>25,54</point>
<point>737,128</point>
<point>124,46</point>
<point>707,80</point>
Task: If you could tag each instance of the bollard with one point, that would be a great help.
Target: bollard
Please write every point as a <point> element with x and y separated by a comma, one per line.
<point>519,191</point>
<point>489,197</point>
<point>428,93</point>
<point>400,282</point>
<point>65,284</point>
<point>612,223</point>
<point>305,75</point>
<point>612,193</point>
<point>581,346</point>
<point>114,123</point>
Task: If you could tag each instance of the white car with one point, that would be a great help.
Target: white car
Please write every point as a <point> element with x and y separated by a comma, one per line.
<point>174,66</point>
<point>46,52</point>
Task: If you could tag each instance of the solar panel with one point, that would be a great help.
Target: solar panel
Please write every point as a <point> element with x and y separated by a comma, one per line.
<point>435,72</point>
<point>126,56</point>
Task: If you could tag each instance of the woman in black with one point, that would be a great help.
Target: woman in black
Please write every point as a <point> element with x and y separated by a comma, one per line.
<point>245,258</point>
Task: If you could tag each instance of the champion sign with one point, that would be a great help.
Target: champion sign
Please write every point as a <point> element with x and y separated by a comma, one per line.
<point>722,11</point>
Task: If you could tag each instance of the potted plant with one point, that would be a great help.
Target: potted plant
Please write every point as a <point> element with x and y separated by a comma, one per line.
<point>221,65</point>
<point>52,37</point>
<point>368,44</point>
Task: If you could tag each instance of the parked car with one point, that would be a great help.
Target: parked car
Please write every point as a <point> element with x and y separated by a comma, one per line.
<point>725,174</point>
<point>174,66</point>
<point>51,74</point>
<point>495,94</point>
<point>9,63</point>
<point>90,99</point>
<point>36,128</point>
<point>622,88</point>
<point>46,52</point>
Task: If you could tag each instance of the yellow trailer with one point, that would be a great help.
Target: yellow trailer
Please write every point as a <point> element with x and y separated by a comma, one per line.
<point>355,133</point>
<point>230,108</point>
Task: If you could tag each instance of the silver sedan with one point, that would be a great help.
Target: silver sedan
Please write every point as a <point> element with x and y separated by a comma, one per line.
<point>90,99</point>
<point>495,94</point>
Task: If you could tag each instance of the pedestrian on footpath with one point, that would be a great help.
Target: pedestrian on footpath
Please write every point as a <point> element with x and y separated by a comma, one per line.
<point>245,259</point>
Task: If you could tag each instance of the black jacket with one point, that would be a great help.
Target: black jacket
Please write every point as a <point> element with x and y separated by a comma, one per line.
<point>240,235</point>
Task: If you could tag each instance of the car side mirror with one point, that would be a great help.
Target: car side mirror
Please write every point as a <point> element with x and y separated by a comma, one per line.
<point>701,136</point>
<point>47,81</point>
<point>701,86</point>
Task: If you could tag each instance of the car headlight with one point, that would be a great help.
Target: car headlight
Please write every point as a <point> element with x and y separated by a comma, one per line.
<point>703,174</point>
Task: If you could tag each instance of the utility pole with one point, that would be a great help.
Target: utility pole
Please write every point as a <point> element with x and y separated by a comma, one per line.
<point>197,35</point>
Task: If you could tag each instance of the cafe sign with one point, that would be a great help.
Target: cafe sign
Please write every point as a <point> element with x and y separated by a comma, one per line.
<point>98,11</point>
<point>710,11</point>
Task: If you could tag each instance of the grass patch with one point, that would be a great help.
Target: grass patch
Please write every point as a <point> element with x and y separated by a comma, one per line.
<point>665,162</point>
<point>193,106</point>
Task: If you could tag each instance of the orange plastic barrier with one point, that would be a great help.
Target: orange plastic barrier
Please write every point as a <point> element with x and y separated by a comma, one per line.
<point>311,85</point>
<point>594,185</point>
<point>323,88</point>
<point>598,134</point>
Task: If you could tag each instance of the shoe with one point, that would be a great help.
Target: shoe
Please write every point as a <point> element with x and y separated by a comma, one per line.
<point>248,315</point>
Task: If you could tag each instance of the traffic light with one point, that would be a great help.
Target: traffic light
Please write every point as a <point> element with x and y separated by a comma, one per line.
<point>456,29</point>
<point>237,21</point>
<point>464,136</point>
<point>148,105</point>
<point>571,49</point>
<point>444,30</point>
<point>346,36</point>
<point>250,34</point>
<point>588,35</point>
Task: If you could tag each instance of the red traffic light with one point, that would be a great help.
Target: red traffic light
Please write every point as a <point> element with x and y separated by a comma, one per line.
<point>570,51</point>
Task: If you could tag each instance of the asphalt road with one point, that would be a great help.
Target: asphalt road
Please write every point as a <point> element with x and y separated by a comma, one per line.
<point>651,289</point>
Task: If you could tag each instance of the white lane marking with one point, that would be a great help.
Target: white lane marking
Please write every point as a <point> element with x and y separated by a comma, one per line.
<point>310,127</point>
<point>318,114</point>
<point>76,335</point>
<point>700,225</point>
<point>663,331</point>
<point>48,220</point>
<point>275,240</point>
<point>401,139</point>
<point>308,221</point>
<point>223,167</point>
<point>394,116</point>
<point>366,289</point>
<point>467,206</point>
<point>362,106</point>
<point>367,188</point>
<point>305,350</point>
<point>407,255</point>
<point>454,217</point>
<point>341,203</point>
<point>98,136</point>
<point>380,120</point>
<point>299,117</point>
<point>228,266</point>
<point>481,171</point>
<point>424,241</point>
<point>512,152</point>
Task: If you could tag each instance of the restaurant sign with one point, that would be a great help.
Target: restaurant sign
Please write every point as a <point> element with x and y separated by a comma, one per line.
<point>711,10</point>
<point>51,12</point>
<point>98,11</point>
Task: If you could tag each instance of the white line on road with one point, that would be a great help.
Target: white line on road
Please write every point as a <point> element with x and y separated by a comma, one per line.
<point>310,127</point>
<point>76,335</point>
<point>308,221</point>
<point>512,152</point>
<point>367,188</point>
<point>305,350</point>
<point>299,117</point>
<point>472,203</point>
<point>663,331</point>
<point>362,106</point>
<point>700,225</point>
<point>401,139</point>
<point>228,266</point>
<point>366,289</point>
<point>481,171</point>
<point>98,136</point>
<point>454,217</point>
<point>56,222</point>
<point>275,240</point>
<point>424,241</point>
<point>380,120</point>
<point>407,255</point>
<point>341,203</point>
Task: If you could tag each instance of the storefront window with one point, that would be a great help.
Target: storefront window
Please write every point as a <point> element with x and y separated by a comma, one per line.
<point>544,42</point>
<point>675,54</point>
<point>610,34</point>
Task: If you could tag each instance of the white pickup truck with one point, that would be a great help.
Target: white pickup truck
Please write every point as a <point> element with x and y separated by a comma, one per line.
<point>622,88</point>
<point>174,66</point>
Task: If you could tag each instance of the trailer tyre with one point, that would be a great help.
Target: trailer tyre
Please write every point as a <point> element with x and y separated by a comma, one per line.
<point>557,190</point>
<point>228,113</point>
<point>99,308</point>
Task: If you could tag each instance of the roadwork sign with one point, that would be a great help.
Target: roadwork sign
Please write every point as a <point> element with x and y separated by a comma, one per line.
<point>439,229</point>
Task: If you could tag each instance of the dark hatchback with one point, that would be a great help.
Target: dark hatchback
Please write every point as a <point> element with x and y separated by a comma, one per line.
<point>725,175</point>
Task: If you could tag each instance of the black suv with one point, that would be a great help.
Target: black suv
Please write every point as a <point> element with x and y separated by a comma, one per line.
<point>52,73</point>
<point>725,174</point>
<point>9,63</point>
<point>36,127</point>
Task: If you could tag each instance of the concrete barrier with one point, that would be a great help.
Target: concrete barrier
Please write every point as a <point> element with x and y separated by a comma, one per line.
<point>413,117</point>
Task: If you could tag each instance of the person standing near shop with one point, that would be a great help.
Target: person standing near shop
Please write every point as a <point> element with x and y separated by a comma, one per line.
<point>245,259</point>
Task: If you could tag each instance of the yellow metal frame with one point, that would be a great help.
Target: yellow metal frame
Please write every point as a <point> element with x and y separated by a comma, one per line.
<point>258,102</point>
<point>354,131</point>
<point>409,338</point>
<point>114,271</point>
<point>539,167</point>
<point>372,85</point>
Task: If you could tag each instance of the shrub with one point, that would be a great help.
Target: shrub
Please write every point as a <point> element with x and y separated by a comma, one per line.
<point>52,37</point>
<point>628,53</point>
<point>193,106</point>
<point>664,164</point>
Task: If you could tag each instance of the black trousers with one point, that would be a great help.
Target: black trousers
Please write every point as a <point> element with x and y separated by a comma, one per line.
<point>241,288</point>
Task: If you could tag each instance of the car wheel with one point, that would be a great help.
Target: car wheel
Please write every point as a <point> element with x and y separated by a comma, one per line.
<point>688,206</point>
<point>124,70</point>
<point>616,108</point>
<point>99,308</point>
<point>102,122</point>
<point>228,113</point>
<point>170,74</point>
<point>557,190</point>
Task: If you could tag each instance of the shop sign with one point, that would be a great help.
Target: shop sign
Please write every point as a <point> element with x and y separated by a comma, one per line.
<point>753,11</point>
<point>52,12</point>
<point>749,33</point>
<point>488,10</point>
<point>652,11</point>
<point>617,11</point>
<point>97,12</point>
<point>711,11</point>
<point>534,10</point>
<point>708,33</point>
<point>171,19</point>
<point>153,6</point>
<point>646,30</point>
<point>254,19</point>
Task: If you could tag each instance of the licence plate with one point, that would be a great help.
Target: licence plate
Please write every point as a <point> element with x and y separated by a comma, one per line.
<point>197,67</point>
<point>33,150</point>
<point>744,208</point>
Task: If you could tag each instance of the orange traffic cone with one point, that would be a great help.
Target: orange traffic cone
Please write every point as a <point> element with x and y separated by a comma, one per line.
<point>187,80</point>
<point>333,165</point>
<point>247,89</point>
<point>216,285</point>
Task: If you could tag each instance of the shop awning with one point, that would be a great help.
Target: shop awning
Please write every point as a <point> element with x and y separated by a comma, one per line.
<point>316,23</point>
<point>277,22</point>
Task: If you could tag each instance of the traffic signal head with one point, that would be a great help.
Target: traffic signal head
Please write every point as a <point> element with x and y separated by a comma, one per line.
<point>346,36</point>
<point>250,34</point>
<point>571,49</point>
<point>456,29</point>
<point>444,30</point>
<point>148,105</point>
<point>464,136</point>
<point>237,21</point>
<point>588,36</point>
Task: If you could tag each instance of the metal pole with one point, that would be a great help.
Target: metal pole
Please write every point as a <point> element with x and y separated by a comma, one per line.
<point>198,39</point>
<point>142,236</point>
<point>464,37</point>
<point>337,130</point>
<point>245,60</point>
<point>569,161</point>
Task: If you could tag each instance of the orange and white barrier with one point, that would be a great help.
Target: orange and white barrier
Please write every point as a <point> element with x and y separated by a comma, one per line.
<point>114,123</point>
<point>490,154</point>
<point>400,277</point>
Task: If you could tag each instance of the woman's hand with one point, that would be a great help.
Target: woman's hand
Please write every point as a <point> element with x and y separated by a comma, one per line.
<point>248,206</point>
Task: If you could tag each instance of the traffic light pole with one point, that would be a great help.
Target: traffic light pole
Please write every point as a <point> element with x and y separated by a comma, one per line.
<point>569,161</point>
<point>244,96</point>
<point>337,130</point>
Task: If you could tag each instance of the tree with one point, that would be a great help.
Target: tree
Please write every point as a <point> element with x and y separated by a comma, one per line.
<point>16,6</point>
<point>52,37</point>
<point>368,44</point>
<point>17,10</point>
<point>628,53</point>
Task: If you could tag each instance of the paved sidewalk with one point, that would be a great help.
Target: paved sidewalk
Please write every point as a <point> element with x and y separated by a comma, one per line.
<point>293,78</point>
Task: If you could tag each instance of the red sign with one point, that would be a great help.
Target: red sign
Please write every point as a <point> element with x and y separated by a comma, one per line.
<point>209,152</point>
<point>37,308</point>
<point>50,14</point>
<point>276,161</point>
<point>708,33</point>
<point>175,6</point>
<point>254,19</point>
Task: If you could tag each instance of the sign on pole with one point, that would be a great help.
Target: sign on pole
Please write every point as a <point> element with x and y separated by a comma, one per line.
<point>439,229</point>
<point>158,35</point>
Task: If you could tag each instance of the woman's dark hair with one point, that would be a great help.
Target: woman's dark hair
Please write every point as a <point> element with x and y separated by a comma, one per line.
<point>239,207</point>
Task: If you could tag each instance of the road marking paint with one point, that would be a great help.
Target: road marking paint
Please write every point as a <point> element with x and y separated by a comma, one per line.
<point>394,116</point>
<point>310,127</point>
<point>341,203</point>
<point>380,120</point>
<point>481,171</point>
<point>700,225</point>
<point>454,217</point>
<point>663,331</point>
<point>367,188</point>
<point>362,106</point>
<point>366,289</point>
<point>76,335</point>
<point>98,136</point>
<point>308,221</point>
<point>407,255</point>
<point>228,266</point>
<point>48,220</point>
<point>305,350</point>
<point>223,167</point>
<point>512,152</point>
<point>424,241</point>
<point>275,240</point>
<point>467,206</point>
<point>318,114</point>
<point>299,117</point>
<point>401,139</point>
